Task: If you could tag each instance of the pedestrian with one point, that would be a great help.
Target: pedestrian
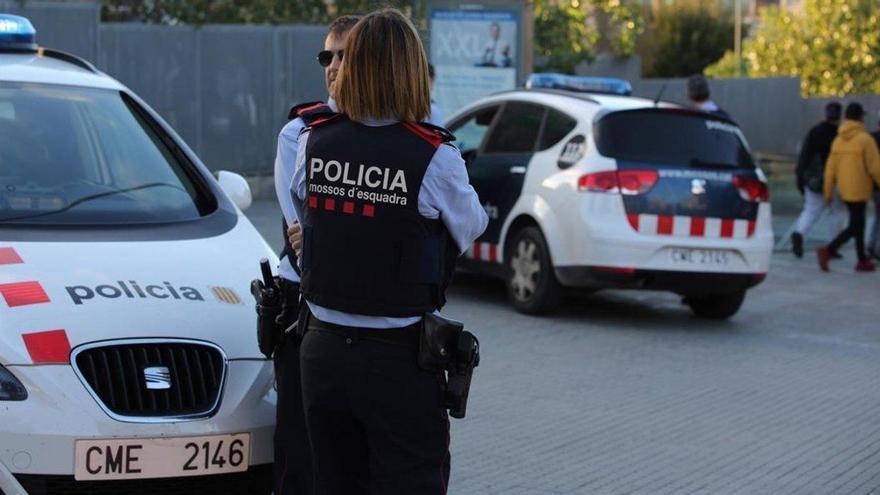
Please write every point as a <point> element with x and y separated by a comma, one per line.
<point>852,164</point>
<point>293,465</point>
<point>386,207</point>
<point>874,238</point>
<point>699,96</point>
<point>810,174</point>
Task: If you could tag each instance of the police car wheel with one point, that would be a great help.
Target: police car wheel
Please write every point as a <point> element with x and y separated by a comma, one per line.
<point>716,306</point>
<point>531,284</point>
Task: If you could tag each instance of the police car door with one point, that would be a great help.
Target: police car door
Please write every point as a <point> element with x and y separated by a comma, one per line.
<point>497,168</point>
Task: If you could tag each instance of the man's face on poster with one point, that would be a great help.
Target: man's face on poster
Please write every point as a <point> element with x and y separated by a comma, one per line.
<point>334,44</point>
<point>494,31</point>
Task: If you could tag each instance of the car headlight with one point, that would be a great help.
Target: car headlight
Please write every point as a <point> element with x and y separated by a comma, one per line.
<point>10,387</point>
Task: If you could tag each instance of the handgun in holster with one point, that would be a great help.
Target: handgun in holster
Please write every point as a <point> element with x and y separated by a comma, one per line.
<point>268,295</point>
<point>445,346</point>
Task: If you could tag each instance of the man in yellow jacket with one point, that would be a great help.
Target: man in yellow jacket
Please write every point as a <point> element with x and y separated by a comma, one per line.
<point>853,163</point>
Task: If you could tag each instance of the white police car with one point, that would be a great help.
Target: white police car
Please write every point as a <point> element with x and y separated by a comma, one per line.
<point>128,358</point>
<point>588,187</point>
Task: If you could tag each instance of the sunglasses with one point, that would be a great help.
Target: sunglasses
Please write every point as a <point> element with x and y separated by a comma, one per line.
<point>325,57</point>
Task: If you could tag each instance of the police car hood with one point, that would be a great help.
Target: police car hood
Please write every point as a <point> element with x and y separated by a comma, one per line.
<point>57,295</point>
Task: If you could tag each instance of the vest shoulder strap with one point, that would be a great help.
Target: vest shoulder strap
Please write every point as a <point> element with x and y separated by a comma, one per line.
<point>311,111</point>
<point>431,133</point>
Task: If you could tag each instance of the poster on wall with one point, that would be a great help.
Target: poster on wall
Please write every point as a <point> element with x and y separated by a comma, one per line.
<point>474,52</point>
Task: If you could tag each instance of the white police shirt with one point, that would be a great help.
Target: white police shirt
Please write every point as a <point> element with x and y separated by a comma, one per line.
<point>285,160</point>
<point>445,189</point>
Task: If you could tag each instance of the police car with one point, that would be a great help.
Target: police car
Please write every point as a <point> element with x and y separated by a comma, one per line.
<point>588,187</point>
<point>128,361</point>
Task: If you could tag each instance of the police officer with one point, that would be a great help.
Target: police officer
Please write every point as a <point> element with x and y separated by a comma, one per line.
<point>386,206</point>
<point>293,467</point>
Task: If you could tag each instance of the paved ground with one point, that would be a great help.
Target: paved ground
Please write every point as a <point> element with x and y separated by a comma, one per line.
<point>627,393</point>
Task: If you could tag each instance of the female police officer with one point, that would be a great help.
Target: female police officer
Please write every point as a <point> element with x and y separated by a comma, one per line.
<point>381,199</point>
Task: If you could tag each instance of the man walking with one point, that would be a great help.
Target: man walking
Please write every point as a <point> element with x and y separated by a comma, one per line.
<point>852,164</point>
<point>810,173</point>
<point>293,462</point>
<point>874,239</point>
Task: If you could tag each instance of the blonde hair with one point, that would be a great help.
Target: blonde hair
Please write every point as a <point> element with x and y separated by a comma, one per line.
<point>384,74</point>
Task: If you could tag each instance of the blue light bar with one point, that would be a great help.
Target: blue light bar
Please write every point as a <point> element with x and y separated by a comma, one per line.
<point>17,33</point>
<point>583,84</point>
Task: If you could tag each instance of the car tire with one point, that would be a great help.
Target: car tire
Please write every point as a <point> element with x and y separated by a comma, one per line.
<point>531,284</point>
<point>716,306</point>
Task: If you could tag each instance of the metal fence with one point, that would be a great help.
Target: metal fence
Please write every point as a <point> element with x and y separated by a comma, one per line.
<point>226,89</point>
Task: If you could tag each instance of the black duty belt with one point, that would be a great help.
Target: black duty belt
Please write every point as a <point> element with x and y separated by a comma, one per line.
<point>407,336</point>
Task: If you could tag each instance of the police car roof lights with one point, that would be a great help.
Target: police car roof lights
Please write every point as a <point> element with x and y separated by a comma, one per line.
<point>607,85</point>
<point>17,33</point>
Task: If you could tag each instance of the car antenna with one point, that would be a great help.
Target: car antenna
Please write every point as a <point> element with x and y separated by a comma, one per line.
<point>660,93</point>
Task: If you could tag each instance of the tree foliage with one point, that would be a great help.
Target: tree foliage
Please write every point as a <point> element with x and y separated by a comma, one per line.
<point>687,37</point>
<point>568,32</point>
<point>199,12</point>
<point>833,46</point>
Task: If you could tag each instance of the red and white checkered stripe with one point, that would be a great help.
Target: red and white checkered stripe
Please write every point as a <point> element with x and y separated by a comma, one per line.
<point>717,228</point>
<point>44,347</point>
<point>484,251</point>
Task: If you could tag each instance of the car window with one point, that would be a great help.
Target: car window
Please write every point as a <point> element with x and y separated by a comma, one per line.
<point>671,137</point>
<point>81,156</point>
<point>556,126</point>
<point>470,131</point>
<point>517,128</point>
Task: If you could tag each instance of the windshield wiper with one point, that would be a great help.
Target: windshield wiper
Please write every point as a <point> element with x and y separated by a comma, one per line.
<point>86,199</point>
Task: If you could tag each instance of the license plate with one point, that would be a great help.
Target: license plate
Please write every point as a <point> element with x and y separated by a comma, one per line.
<point>118,459</point>
<point>700,257</point>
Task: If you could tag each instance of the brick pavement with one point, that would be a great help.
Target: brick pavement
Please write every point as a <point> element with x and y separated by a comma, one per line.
<point>627,393</point>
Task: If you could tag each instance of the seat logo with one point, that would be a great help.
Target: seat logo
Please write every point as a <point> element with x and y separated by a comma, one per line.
<point>157,378</point>
<point>698,186</point>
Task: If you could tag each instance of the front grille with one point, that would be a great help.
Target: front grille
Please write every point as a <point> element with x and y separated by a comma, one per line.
<point>115,374</point>
<point>256,481</point>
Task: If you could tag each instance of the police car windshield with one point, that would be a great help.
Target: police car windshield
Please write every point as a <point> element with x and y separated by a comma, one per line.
<point>82,156</point>
<point>671,137</point>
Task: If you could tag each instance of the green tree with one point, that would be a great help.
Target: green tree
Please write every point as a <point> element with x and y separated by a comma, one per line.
<point>568,32</point>
<point>687,37</point>
<point>244,11</point>
<point>833,46</point>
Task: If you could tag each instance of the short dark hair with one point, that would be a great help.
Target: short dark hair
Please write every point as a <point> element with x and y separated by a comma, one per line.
<point>698,88</point>
<point>833,110</point>
<point>342,24</point>
<point>854,111</point>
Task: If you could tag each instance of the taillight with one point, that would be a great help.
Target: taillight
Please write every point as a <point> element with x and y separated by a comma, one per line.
<point>751,188</point>
<point>627,182</point>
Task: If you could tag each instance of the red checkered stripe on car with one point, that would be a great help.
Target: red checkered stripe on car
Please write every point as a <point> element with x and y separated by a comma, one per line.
<point>484,251</point>
<point>707,227</point>
<point>44,347</point>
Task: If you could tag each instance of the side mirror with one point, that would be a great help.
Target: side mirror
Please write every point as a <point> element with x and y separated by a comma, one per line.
<point>236,187</point>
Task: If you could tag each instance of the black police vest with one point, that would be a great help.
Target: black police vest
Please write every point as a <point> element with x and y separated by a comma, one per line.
<point>366,248</point>
<point>308,112</point>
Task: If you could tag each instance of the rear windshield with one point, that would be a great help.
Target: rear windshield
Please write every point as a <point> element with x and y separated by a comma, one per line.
<point>664,137</point>
<point>80,156</point>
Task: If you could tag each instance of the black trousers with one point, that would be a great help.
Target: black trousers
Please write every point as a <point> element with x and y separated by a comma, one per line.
<point>856,229</point>
<point>375,419</point>
<point>293,460</point>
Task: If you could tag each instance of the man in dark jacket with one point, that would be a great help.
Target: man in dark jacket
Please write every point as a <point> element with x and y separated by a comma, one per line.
<point>874,239</point>
<point>700,97</point>
<point>810,172</point>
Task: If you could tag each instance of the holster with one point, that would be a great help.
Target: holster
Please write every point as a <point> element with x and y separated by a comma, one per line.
<point>277,306</point>
<point>445,347</point>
